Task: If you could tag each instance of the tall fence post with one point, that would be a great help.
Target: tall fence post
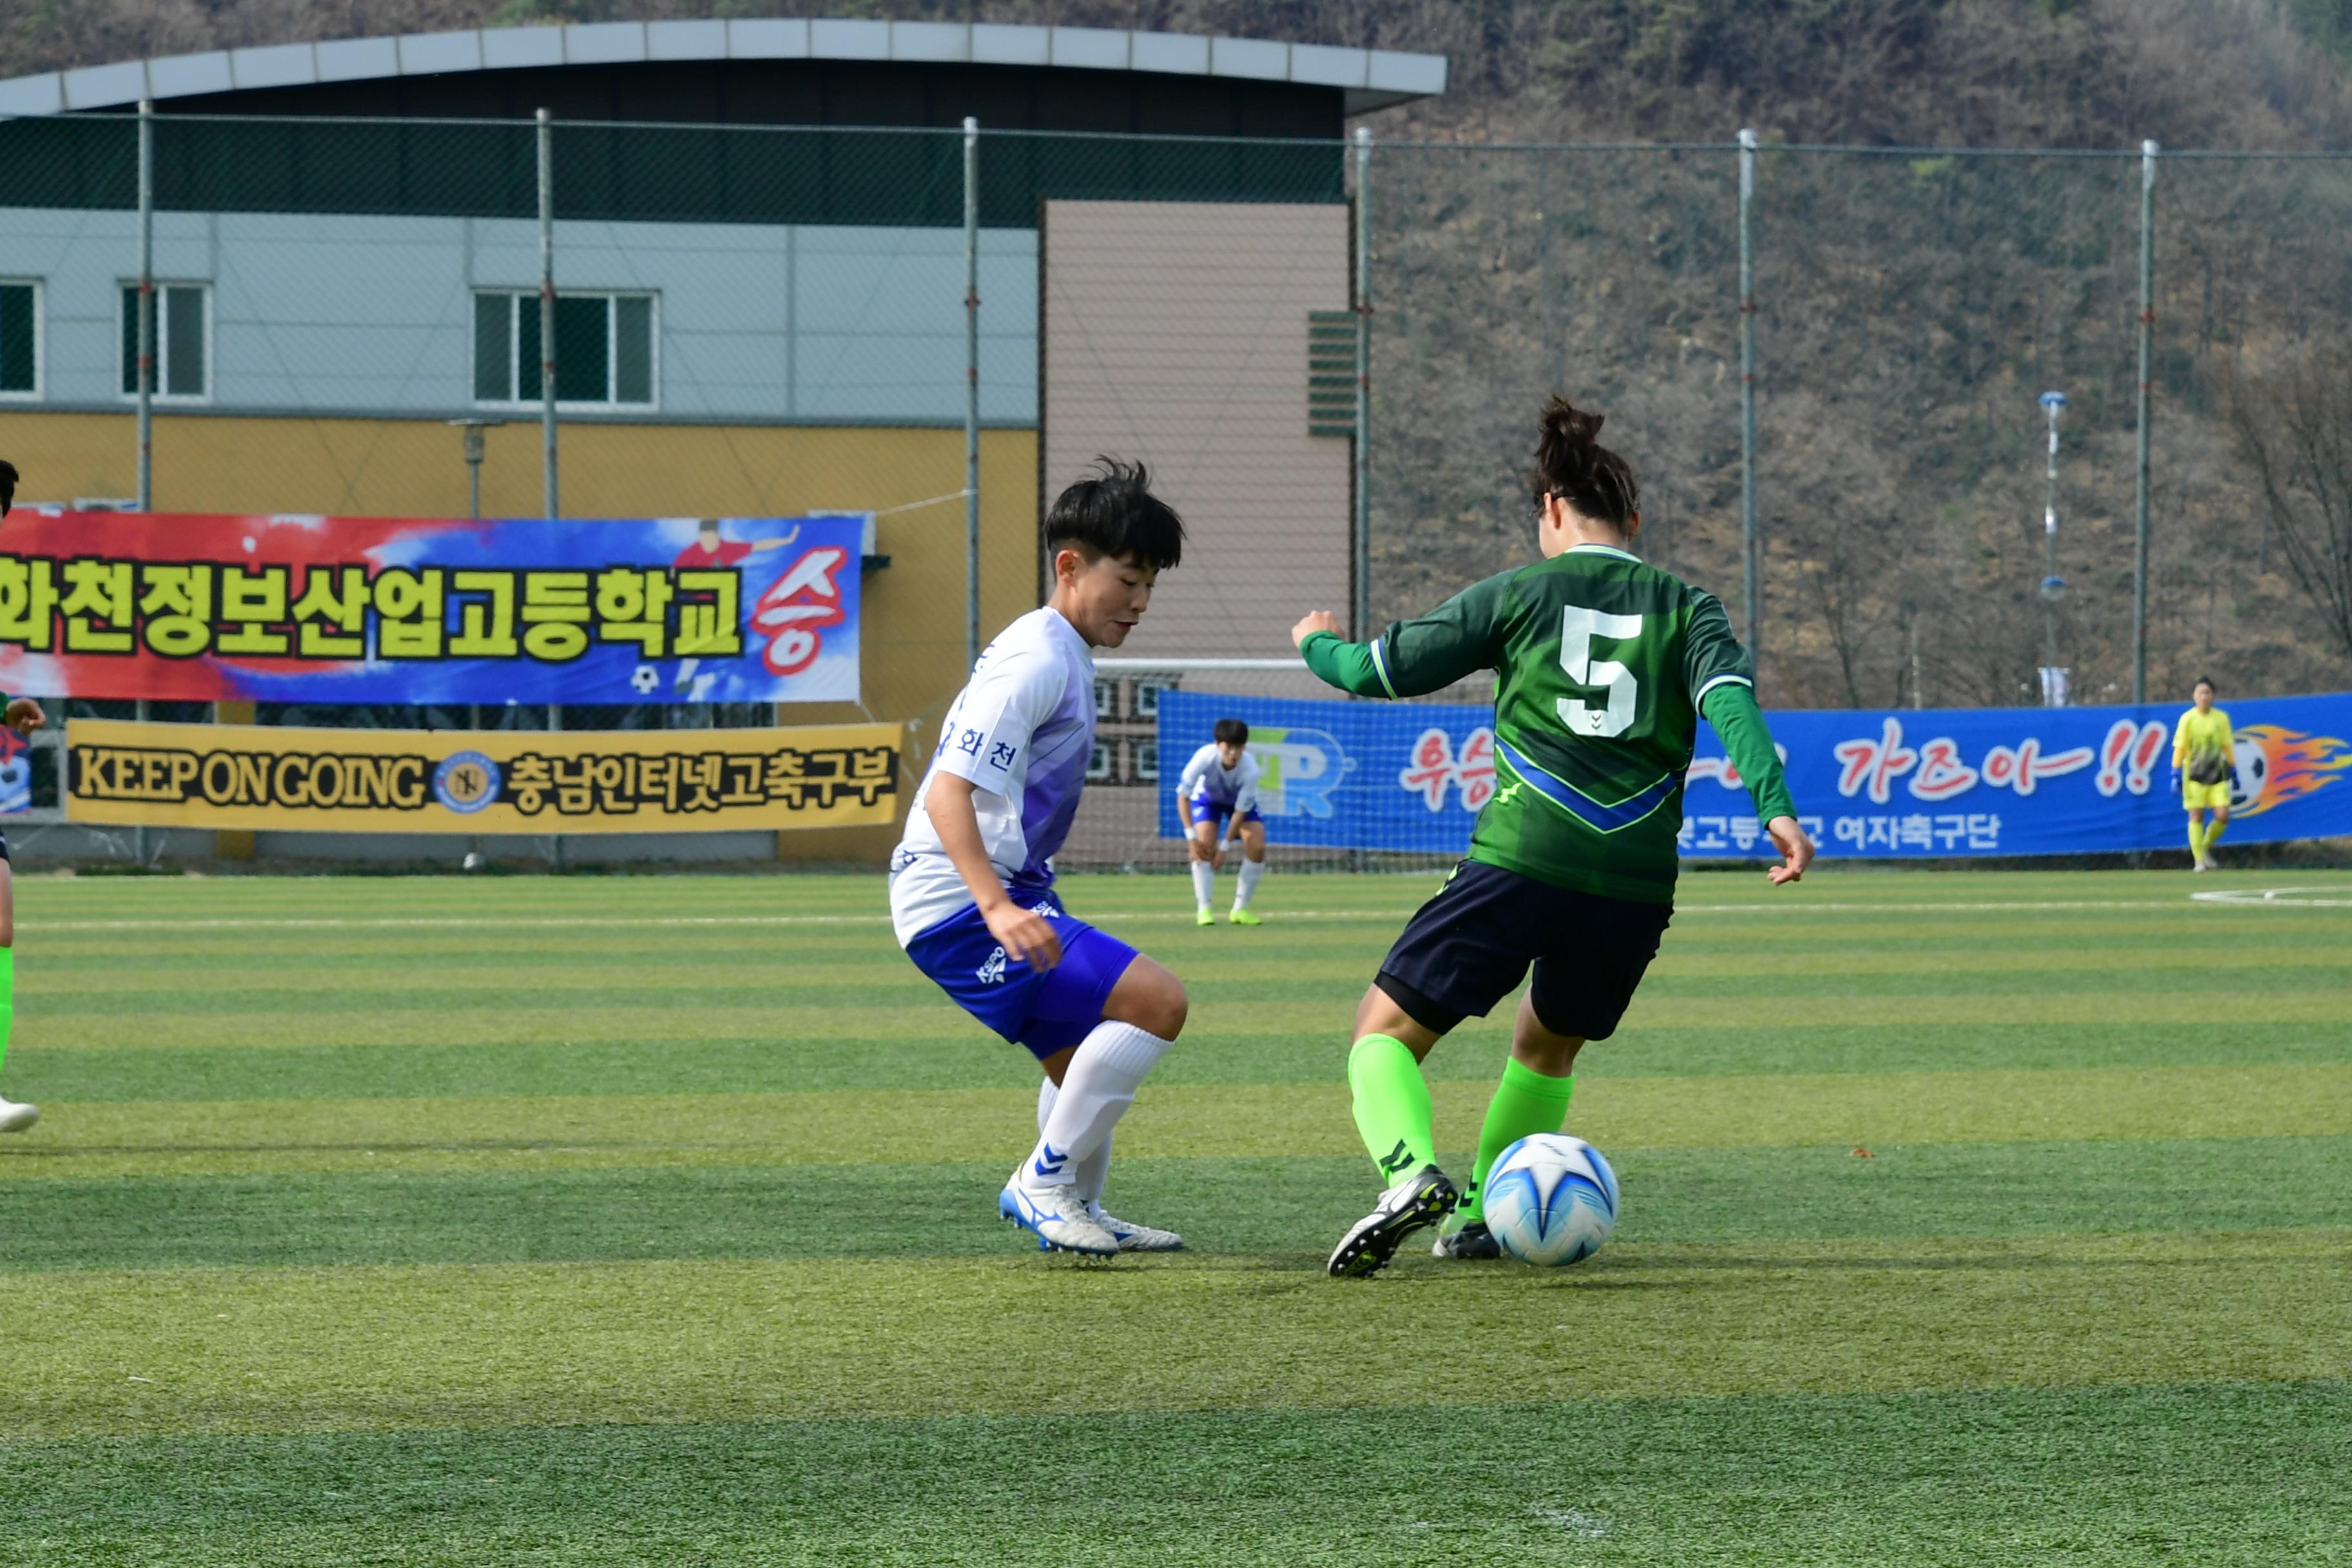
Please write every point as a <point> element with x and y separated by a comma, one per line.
<point>1751,564</point>
<point>547,303</point>
<point>2147,151</point>
<point>146,323</point>
<point>1361,557</point>
<point>971,391</point>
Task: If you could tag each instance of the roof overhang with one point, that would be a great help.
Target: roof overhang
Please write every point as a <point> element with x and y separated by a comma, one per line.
<point>1370,79</point>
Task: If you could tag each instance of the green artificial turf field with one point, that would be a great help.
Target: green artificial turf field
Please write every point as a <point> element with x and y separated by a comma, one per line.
<point>647,1221</point>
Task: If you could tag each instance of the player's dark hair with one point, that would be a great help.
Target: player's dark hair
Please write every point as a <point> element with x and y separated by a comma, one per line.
<point>1112,511</point>
<point>1232,731</point>
<point>8,487</point>
<point>1573,464</point>
<point>2203,681</point>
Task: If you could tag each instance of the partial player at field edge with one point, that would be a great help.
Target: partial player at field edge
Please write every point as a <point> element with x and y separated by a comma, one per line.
<point>1605,665</point>
<point>1216,795</point>
<point>23,715</point>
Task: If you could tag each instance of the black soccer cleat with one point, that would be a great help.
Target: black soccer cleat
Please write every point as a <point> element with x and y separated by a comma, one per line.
<point>1419,1201</point>
<point>1473,1241</point>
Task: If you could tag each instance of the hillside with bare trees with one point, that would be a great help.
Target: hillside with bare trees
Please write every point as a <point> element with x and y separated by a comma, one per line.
<point>1911,305</point>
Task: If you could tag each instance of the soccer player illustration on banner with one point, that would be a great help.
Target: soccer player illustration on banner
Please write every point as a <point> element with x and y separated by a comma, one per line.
<point>972,883</point>
<point>1605,665</point>
<point>2203,761</point>
<point>1216,795</point>
<point>23,715</point>
<point>710,550</point>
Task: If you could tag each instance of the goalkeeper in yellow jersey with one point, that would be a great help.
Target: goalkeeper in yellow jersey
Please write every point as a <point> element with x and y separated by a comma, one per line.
<point>2201,757</point>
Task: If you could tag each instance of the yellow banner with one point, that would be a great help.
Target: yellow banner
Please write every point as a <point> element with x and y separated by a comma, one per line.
<point>482,781</point>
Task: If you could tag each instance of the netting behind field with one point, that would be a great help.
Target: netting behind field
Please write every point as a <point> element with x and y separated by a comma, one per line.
<point>1149,721</point>
<point>764,320</point>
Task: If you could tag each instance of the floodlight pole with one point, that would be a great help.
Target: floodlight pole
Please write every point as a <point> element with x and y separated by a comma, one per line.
<point>1752,566</point>
<point>2053,585</point>
<point>1362,554</point>
<point>547,303</point>
<point>971,390</point>
<point>2147,151</point>
<point>146,323</point>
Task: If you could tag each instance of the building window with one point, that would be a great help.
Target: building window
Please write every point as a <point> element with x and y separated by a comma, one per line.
<point>1147,760</point>
<point>1099,762</point>
<point>605,349</point>
<point>20,339</point>
<point>183,333</point>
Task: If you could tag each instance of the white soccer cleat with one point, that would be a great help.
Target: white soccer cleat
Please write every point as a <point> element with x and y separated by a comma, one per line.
<point>1058,1217</point>
<point>1136,1238</point>
<point>15,1117</point>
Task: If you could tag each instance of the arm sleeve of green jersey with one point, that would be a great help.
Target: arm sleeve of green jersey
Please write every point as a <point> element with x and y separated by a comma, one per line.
<point>1338,662</point>
<point>1426,654</point>
<point>1711,657</point>
<point>1731,708</point>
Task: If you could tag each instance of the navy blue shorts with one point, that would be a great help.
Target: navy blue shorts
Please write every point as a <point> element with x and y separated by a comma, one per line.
<point>1219,812</point>
<point>1471,945</point>
<point>1048,1012</point>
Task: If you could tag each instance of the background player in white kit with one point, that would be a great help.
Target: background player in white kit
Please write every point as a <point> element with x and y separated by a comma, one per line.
<point>1216,795</point>
<point>972,883</point>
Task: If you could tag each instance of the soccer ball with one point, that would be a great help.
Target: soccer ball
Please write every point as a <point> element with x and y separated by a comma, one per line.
<point>1551,1200</point>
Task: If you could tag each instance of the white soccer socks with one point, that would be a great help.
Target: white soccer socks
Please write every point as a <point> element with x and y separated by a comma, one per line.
<point>1099,1085</point>
<point>1251,871</point>
<point>1204,883</point>
<point>1089,1174</point>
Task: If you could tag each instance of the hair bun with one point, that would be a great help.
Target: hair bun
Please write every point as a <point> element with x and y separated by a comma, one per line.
<point>1570,425</point>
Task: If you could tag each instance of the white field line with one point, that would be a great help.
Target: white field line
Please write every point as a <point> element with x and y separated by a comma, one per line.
<point>2274,898</point>
<point>631,923</point>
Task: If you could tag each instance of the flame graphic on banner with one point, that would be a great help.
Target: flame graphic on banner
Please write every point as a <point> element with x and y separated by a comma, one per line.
<point>2286,764</point>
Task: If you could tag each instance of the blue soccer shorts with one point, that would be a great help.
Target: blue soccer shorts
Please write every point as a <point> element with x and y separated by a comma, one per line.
<point>1219,812</point>
<point>1047,1012</point>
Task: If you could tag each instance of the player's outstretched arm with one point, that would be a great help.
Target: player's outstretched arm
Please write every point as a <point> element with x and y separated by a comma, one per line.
<point>1412,658</point>
<point>1026,934</point>
<point>1730,706</point>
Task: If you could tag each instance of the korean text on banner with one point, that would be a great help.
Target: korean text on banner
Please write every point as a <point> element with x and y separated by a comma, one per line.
<point>409,610</point>
<point>482,781</point>
<point>1905,783</point>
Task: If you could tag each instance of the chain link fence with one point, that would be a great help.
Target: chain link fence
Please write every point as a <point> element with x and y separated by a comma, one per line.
<point>1909,308</point>
<point>761,321</point>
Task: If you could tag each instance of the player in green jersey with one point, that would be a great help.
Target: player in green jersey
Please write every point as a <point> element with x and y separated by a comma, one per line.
<point>23,715</point>
<point>1605,665</point>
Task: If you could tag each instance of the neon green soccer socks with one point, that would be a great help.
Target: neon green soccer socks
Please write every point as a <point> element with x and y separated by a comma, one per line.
<point>1526,1101</point>
<point>1392,1106</point>
<point>7,997</point>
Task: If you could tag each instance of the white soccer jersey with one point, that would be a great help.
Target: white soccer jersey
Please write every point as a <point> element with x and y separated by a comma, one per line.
<point>1023,730</point>
<point>1207,776</point>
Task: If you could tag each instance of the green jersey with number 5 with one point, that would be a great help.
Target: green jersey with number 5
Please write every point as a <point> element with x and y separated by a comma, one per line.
<point>1603,666</point>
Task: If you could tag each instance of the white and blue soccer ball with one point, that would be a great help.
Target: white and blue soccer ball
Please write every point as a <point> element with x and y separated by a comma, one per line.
<point>1551,1200</point>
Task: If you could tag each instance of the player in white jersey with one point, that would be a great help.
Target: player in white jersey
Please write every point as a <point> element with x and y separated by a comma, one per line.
<point>1217,795</point>
<point>972,883</point>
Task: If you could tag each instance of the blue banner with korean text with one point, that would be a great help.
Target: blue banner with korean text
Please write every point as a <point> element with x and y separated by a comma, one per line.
<point>1921,784</point>
<point>300,608</point>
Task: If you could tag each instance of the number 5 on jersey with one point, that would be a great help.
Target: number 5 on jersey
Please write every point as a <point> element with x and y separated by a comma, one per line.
<point>1578,628</point>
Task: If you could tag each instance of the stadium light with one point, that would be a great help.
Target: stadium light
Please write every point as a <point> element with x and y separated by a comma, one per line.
<point>473,429</point>
<point>2053,587</point>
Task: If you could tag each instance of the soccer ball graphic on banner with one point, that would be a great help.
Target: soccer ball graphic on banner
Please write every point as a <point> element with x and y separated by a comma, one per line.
<point>1551,1200</point>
